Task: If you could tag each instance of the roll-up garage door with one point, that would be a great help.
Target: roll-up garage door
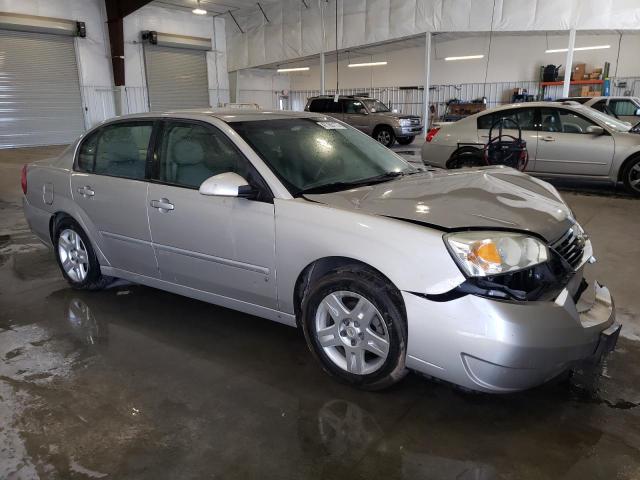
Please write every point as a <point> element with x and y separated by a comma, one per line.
<point>40,100</point>
<point>176,78</point>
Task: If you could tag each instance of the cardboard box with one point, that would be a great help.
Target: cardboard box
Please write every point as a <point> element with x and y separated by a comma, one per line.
<point>578,71</point>
<point>584,92</point>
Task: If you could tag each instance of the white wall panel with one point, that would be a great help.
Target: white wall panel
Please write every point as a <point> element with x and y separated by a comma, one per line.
<point>292,29</point>
<point>377,21</point>
<point>402,17</point>
<point>311,33</point>
<point>354,22</point>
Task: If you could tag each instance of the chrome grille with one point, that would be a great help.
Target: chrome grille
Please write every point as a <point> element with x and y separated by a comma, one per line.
<point>570,246</point>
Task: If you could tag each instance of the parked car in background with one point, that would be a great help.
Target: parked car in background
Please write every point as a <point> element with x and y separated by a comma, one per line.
<point>472,277</point>
<point>626,109</point>
<point>370,116</point>
<point>563,140</point>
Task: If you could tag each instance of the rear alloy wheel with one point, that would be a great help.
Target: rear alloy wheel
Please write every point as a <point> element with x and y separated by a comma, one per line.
<point>76,257</point>
<point>354,327</point>
<point>631,176</point>
<point>405,140</point>
<point>385,136</point>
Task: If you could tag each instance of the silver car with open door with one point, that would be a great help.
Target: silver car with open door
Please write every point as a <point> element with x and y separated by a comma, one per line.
<point>475,277</point>
<point>563,140</point>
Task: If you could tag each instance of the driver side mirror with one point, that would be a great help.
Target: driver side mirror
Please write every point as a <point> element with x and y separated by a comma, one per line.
<point>595,130</point>
<point>227,184</point>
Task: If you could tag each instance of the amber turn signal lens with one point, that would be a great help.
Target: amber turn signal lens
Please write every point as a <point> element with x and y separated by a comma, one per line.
<point>486,251</point>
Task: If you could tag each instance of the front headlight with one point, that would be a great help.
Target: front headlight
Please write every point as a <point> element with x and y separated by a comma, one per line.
<point>480,254</point>
<point>404,122</point>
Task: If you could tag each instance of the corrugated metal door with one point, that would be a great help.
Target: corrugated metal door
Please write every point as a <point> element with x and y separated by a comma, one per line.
<point>176,78</point>
<point>40,100</point>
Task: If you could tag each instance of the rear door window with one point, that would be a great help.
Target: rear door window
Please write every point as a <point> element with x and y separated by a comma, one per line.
<point>118,150</point>
<point>318,105</point>
<point>524,117</point>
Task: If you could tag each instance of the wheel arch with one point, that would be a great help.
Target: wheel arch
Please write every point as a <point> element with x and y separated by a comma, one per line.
<point>461,150</point>
<point>59,214</point>
<point>321,267</point>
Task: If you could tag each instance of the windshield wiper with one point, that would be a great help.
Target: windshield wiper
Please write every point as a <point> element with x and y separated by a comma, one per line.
<point>338,186</point>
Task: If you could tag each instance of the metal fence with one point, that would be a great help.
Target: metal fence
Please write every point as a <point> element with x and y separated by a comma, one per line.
<point>409,100</point>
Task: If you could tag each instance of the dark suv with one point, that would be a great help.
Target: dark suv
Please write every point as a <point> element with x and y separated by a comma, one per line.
<point>369,115</point>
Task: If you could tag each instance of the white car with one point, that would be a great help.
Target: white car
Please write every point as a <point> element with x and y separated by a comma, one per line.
<point>626,109</point>
<point>563,140</point>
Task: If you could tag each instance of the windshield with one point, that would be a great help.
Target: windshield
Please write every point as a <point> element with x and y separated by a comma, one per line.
<point>611,122</point>
<point>320,153</point>
<point>375,106</point>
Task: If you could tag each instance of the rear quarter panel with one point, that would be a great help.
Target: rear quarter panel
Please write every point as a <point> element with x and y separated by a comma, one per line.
<point>626,145</point>
<point>413,257</point>
<point>49,192</point>
<point>446,142</point>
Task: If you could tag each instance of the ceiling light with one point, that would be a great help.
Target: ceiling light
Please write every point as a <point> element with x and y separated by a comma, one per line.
<point>297,69</point>
<point>594,47</point>
<point>198,10</point>
<point>368,64</point>
<point>466,57</point>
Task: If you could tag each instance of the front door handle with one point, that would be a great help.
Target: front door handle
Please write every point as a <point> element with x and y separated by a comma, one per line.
<point>548,139</point>
<point>86,191</point>
<point>164,205</point>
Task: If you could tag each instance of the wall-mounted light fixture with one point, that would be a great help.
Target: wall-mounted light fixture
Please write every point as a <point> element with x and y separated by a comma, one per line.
<point>367,64</point>
<point>465,57</point>
<point>198,10</point>
<point>296,69</point>
<point>594,47</point>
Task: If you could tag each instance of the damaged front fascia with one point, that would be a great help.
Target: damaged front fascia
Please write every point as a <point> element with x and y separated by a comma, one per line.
<point>540,282</point>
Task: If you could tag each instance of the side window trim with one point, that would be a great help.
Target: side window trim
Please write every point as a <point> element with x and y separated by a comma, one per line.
<point>163,125</point>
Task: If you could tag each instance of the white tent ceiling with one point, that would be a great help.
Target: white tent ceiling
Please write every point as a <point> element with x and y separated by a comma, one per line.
<point>294,27</point>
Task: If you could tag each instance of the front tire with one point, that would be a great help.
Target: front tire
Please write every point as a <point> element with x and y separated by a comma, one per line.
<point>405,140</point>
<point>631,176</point>
<point>385,136</point>
<point>76,257</point>
<point>355,327</point>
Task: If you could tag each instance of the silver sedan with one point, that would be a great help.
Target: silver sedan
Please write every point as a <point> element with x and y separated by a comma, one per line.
<point>473,277</point>
<point>563,140</point>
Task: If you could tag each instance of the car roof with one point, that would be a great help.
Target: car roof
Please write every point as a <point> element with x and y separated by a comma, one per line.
<point>229,115</point>
<point>572,106</point>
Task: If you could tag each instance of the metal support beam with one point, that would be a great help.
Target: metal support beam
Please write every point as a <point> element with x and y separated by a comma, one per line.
<point>427,80</point>
<point>116,11</point>
<point>235,21</point>
<point>568,66</point>
<point>263,14</point>
<point>322,62</point>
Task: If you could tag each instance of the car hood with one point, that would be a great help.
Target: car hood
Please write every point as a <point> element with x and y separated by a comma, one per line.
<point>488,197</point>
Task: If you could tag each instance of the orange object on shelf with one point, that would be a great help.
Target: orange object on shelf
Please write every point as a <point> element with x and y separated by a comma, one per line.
<point>574,82</point>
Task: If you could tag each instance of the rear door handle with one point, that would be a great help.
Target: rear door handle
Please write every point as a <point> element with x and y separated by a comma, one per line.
<point>86,191</point>
<point>164,205</point>
<point>548,139</point>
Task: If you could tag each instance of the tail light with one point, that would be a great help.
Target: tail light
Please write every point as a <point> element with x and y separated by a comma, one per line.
<point>23,179</point>
<point>432,133</point>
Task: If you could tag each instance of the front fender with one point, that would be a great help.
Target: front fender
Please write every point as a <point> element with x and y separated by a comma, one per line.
<point>413,257</point>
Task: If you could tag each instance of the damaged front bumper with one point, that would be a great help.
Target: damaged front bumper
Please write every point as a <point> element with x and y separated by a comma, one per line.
<point>505,346</point>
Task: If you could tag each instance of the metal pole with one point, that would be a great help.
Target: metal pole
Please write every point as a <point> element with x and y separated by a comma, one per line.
<point>321,4</point>
<point>568,67</point>
<point>427,80</point>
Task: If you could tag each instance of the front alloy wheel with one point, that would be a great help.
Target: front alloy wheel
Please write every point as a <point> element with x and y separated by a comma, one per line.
<point>385,136</point>
<point>354,324</point>
<point>351,332</point>
<point>631,177</point>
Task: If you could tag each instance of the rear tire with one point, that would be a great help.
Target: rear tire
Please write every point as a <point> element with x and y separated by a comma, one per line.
<point>385,136</point>
<point>76,257</point>
<point>405,140</point>
<point>631,176</point>
<point>363,330</point>
<point>464,159</point>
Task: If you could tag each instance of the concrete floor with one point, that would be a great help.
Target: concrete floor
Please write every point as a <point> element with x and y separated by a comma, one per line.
<point>137,383</point>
